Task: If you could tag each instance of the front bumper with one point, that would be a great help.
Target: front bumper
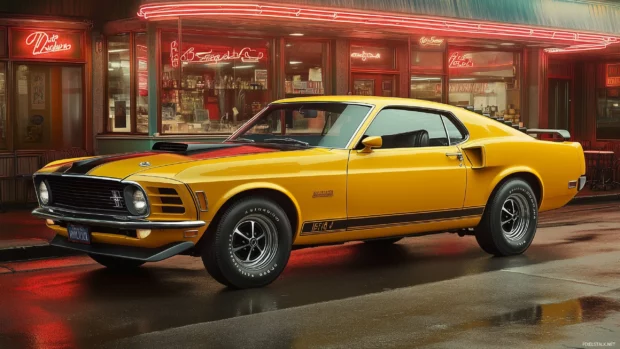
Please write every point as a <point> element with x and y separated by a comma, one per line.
<point>107,221</point>
<point>128,252</point>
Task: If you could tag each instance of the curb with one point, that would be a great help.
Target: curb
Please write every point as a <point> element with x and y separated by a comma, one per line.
<point>42,249</point>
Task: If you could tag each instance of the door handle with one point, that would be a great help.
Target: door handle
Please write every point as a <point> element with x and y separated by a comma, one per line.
<point>458,155</point>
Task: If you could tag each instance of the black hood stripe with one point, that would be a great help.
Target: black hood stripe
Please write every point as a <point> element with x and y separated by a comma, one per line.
<point>85,166</point>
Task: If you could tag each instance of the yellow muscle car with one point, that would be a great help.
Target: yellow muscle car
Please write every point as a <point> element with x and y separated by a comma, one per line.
<point>307,172</point>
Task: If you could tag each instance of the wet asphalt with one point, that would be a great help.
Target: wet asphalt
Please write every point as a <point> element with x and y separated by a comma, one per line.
<point>437,291</point>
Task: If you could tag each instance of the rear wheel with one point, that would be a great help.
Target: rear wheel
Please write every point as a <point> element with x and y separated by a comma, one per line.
<point>116,262</point>
<point>510,220</point>
<point>251,245</point>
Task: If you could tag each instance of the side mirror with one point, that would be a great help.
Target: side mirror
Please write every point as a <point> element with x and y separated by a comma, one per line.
<point>371,142</point>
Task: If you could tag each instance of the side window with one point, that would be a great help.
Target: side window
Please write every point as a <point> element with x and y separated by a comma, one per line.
<point>401,128</point>
<point>454,134</point>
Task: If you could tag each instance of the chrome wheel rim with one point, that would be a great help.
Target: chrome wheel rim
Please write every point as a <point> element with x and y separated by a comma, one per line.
<point>515,217</point>
<point>254,242</point>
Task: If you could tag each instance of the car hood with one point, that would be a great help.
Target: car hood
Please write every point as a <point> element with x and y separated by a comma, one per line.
<point>121,166</point>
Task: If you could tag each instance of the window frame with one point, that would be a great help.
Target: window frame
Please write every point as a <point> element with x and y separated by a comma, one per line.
<point>133,83</point>
<point>326,67</point>
<point>448,114</point>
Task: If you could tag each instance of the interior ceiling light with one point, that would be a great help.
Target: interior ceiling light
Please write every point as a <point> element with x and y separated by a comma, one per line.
<point>574,41</point>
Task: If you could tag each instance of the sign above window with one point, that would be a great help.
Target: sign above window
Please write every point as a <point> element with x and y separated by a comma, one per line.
<point>612,77</point>
<point>46,44</point>
<point>431,42</point>
<point>375,58</point>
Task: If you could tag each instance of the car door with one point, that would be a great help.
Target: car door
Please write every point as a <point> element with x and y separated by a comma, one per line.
<point>417,175</point>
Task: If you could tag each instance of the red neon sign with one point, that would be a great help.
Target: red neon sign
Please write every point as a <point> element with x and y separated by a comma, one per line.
<point>246,55</point>
<point>574,40</point>
<point>457,60</point>
<point>46,44</point>
<point>365,55</point>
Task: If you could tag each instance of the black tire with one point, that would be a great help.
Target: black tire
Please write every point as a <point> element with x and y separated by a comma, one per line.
<point>383,242</point>
<point>224,256</point>
<point>508,239</point>
<point>116,262</point>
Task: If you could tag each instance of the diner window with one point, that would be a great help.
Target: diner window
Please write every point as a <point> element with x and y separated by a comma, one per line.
<point>486,82</point>
<point>373,58</point>
<point>142,92</point>
<point>427,75</point>
<point>608,114</point>
<point>3,98</point>
<point>305,68</point>
<point>402,128</point>
<point>3,43</point>
<point>119,84</point>
<point>213,84</point>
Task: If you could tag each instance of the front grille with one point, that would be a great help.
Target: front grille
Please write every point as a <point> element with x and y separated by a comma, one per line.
<point>87,194</point>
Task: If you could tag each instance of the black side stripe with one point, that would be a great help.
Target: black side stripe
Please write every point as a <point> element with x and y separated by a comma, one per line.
<point>332,226</point>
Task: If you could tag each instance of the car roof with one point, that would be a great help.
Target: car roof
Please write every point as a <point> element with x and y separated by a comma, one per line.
<point>376,100</point>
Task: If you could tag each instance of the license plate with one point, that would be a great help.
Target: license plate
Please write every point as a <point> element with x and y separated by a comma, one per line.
<point>78,233</point>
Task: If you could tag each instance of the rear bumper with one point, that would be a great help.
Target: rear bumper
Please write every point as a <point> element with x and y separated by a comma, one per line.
<point>129,252</point>
<point>579,184</point>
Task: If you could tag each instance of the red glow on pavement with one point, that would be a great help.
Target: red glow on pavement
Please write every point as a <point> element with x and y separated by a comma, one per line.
<point>579,41</point>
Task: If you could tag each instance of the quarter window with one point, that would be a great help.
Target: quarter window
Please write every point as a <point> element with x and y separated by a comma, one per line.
<point>401,128</point>
<point>454,134</point>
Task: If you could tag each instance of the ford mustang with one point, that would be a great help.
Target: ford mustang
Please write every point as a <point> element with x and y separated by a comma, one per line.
<point>313,171</point>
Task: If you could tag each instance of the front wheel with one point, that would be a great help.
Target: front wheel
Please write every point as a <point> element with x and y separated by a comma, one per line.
<point>251,245</point>
<point>116,262</point>
<point>510,220</point>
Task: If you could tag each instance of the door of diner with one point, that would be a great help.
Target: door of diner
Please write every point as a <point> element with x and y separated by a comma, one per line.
<point>49,106</point>
<point>559,104</point>
<point>374,85</point>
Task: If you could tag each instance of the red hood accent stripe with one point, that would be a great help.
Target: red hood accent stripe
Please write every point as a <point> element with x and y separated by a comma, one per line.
<point>242,150</point>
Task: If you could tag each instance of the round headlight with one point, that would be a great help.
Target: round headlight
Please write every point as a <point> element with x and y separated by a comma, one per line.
<point>44,194</point>
<point>135,201</point>
<point>139,201</point>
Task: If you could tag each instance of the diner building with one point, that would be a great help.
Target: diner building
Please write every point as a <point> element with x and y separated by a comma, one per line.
<point>197,70</point>
<point>118,76</point>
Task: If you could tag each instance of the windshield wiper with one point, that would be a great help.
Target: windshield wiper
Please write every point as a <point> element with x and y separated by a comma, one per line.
<point>287,141</point>
<point>244,140</point>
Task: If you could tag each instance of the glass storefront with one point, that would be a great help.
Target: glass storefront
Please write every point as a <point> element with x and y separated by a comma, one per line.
<point>427,74</point>
<point>486,81</point>
<point>48,106</point>
<point>305,67</point>
<point>213,84</point>
<point>3,111</point>
<point>119,84</point>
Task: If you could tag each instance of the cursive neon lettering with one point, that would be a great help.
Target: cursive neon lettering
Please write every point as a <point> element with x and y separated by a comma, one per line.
<point>246,55</point>
<point>43,43</point>
<point>365,55</point>
<point>432,41</point>
<point>458,61</point>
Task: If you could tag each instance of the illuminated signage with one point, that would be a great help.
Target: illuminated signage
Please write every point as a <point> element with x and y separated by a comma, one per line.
<point>245,55</point>
<point>613,75</point>
<point>365,55</point>
<point>432,41</point>
<point>457,60</point>
<point>46,44</point>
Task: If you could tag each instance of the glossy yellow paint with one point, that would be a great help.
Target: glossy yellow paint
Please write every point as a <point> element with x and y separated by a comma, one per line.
<point>362,184</point>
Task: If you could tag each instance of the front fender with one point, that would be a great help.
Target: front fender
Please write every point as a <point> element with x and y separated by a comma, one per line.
<point>240,189</point>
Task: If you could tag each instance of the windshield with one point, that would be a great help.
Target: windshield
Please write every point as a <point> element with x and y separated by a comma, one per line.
<point>329,125</point>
